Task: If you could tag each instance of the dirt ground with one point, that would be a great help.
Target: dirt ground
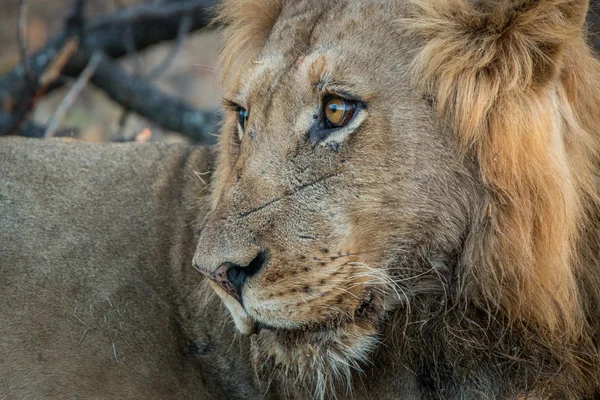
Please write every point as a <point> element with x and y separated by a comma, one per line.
<point>193,74</point>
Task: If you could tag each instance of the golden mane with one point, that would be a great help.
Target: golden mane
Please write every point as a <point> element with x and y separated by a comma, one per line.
<point>518,86</point>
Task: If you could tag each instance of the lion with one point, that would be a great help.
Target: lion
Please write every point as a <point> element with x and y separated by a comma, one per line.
<point>404,203</point>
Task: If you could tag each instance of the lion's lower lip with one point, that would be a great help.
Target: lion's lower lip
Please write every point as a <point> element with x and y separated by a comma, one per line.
<point>260,326</point>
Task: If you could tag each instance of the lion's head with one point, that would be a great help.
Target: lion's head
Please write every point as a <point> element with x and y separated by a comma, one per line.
<point>414,158</point>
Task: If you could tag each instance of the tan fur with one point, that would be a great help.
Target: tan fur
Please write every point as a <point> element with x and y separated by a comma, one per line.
<point>444,245</point>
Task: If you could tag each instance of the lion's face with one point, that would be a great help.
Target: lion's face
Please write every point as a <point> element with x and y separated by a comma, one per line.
<point>334,180</point>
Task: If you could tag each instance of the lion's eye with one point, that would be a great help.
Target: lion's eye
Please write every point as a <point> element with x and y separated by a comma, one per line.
<point>242,118</point>
<point>338,112</point>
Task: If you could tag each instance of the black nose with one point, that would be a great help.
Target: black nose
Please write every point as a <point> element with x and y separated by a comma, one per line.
<point>231,277</point>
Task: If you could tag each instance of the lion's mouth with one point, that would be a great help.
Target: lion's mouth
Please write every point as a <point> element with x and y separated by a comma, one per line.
<point>325,326</point>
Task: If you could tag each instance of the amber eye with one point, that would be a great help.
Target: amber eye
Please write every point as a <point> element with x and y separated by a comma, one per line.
<point>242,118</point>
<point>338,112</point>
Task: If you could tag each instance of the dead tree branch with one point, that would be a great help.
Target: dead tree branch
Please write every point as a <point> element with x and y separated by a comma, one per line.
<point>34,84</point>
<point>136,94</point>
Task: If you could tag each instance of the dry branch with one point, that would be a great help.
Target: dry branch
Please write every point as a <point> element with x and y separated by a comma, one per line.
<point>33,85</point>
<point>136,94</point>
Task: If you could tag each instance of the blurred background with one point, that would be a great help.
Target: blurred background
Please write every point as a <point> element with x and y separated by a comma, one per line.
<point>163,46</point>
<point>117,70</point>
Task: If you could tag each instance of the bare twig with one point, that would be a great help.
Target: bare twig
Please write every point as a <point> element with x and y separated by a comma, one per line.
<point>22,37</point>
<point>36,89</point>
<point>73,93</point>
<point>150,24</point>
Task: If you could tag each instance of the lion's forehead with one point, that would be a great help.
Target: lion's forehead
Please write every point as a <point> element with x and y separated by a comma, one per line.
<point>310,45</point>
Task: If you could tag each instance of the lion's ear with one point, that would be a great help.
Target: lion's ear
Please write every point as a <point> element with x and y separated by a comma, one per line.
<point>479,50</point>
<point>520,41</point>
<point>247,26</point>
<point>533,33</point>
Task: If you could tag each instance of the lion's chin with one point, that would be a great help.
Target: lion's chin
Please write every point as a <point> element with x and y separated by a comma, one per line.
<point>315,361</point>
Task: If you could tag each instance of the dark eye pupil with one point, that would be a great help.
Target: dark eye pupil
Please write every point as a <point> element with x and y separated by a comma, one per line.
<point>242,118</point>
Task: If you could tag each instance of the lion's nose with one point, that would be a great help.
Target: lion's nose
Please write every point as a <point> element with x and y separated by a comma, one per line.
<point>231,277</point>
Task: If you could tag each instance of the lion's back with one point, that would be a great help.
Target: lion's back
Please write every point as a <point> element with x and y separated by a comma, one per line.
<point>87,237</point>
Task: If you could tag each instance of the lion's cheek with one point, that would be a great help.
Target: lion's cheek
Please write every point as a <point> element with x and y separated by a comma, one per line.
<point>325,352</point>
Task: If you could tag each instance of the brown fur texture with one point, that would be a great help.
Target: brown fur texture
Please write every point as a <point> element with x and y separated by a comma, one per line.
<point>443,245</point>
